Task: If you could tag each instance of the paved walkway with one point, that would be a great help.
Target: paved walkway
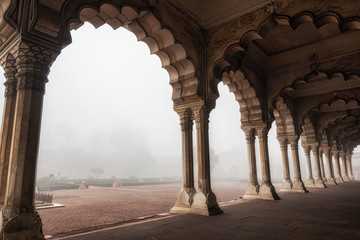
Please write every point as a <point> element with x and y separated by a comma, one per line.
<point>332,213</point>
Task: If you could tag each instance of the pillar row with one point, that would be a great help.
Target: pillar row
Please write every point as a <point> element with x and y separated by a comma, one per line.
<point>202,200</point>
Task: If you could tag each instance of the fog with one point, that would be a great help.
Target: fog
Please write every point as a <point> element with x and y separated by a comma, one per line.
<point>108,104</point>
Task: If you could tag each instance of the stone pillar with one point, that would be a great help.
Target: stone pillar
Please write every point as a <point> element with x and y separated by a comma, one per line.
<point>7,123</point>
<point>322,170</point>
<point>318,179</point>
<point>252,188</point>
<point>18,216</point>
<point>286,184</point>
<point>204,199</point>
<point>338,177</point>
<point>343,167</point>
<point>185,197</point>
<point>310,180</point>
<point>267,190</point>
<point>349,168</point>
<point>298,184</point>
<point>330,176</point>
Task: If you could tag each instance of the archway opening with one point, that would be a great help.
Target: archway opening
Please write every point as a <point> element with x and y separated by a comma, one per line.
<point>229,162</point>
<point>108,117</point>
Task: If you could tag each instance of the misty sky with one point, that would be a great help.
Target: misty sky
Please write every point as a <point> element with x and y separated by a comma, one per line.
<point>108,103</point>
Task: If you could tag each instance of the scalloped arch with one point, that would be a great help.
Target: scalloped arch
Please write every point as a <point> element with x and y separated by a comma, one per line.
<point>250,107</point>
<point>328,24</point>
<point>283,119</point>
<point>148,28</point>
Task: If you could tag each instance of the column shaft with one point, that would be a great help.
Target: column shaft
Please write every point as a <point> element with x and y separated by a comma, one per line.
<point>204,200</point>
<point>298,184</point>
<point>351,175</point>
<point>185,197</point>
<point>7,128</point>
<point>32,64</point>
<point>318,179</point>
<point>343,167</point>
<point>338,177</point>
<point>310,180</point>
<point>267,190</point>
<point>322,169</point>
<point>330,178</point>
<point>252,188</point>
<point>286,184</point>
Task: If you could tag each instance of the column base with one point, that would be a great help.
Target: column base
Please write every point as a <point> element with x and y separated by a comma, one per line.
<point>352,178</point>
<point>184,201</point>
<point>346,179</point>
<point>267,192</point>
<point>339,180</point>
<point>196,203</point>
<point>319,183</point>
<point>324,180</point>
<point>24,225</point>
<point>298,186</point>
<point>286,186</point>
<point>205,204</point>
<point>331,181</point>
<point>251,191</point>
<point>309,182</point>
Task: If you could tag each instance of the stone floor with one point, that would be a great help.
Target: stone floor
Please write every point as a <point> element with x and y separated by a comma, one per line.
<point>332,213</point>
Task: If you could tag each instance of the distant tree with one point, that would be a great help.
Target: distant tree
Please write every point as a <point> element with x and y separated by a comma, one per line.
<point>97,171</point>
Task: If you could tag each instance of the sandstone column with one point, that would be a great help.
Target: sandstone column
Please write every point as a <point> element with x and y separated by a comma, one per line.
<point>343,166</point>
<point>7,123</point>
<point>267,190</point>
<point>310,180</point>
<point>204,199</point>
<point>330,176</point>
<point>338,177</point>
<point>185,197</point>
<point>286,184</point>
<point>318,179</point>
<point>19,217</point>
<point>298,184</point>
<point>252,188</point>
<point>322,170</point>
<point>349,168</point>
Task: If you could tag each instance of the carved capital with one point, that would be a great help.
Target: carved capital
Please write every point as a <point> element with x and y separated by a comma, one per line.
<point>202,117</point>
<point>9,66</point>
<point>315,148</point>
<point>262,132</point>
<point>186,122</point>
<point>282,141</point>
<point>33,64</point>
<point>249,135</point>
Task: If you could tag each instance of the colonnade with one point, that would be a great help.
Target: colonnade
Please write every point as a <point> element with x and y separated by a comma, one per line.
<point>26,69</point>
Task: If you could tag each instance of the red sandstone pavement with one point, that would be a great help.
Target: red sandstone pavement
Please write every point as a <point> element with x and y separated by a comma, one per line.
<point>98,207</point>
<point>323,214</point>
